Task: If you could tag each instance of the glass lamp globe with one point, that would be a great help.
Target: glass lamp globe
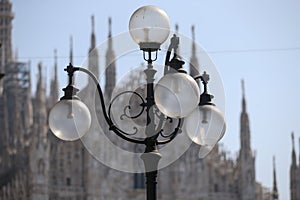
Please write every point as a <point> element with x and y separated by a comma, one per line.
<point>204,151</point>
<point>69,119</point>
<point>205,125</point>
<point>149,25</point>
<point>176,95</point>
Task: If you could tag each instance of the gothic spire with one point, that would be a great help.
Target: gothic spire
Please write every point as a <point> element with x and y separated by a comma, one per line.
<point>275,191</point>
<point>29,79</point>
<point>110,71</point>
<point>40,113</point>
<point>93,37</point>
<point>110,45</point>
<point>55,64</point>
<point>243,98</point>
<point>6,15</point>
<point>71,49</point>
<point>299,152</point>
<point>28,105</point>
<point>110,41</point>
<point>294,162</point>
<point>193,38</point>
<point>109,27</point>
<point>54,83</point>
<point>246,156</point>
<point>39,82</point>
<point>194,64</point>
<point>245,128</point>
<point>177,33</point>
<point>293,173</point>
<point>93,63</point>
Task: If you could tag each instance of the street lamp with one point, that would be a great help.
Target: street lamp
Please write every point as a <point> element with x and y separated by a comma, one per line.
<point>175,96</point>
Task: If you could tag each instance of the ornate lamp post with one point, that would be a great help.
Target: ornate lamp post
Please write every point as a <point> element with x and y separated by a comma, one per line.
<point>175,96</point>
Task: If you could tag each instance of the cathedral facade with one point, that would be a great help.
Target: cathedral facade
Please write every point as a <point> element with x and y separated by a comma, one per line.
<point>35,165</point>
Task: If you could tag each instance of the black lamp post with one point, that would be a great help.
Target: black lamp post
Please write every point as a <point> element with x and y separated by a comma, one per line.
<point>175,96</point>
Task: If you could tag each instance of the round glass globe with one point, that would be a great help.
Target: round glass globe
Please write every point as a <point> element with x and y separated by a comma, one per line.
<point>205,125</point>
<point>204,151</point>
<point>69,119</point>
<point>149,24</point>
<point>176,95</point>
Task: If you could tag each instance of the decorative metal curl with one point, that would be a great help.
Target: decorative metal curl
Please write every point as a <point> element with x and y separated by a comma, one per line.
<point>169,135</point>
<point>162,121</point>
<point>125,114</point>
<point>172,135</point>
<point>111,125</point>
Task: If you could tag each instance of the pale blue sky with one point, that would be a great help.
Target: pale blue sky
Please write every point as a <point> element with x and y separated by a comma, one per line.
<point>257,40</point>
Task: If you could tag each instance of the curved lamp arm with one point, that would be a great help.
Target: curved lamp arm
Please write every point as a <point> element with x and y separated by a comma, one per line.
<point>70,69</point>
<point>112,126</point>
<point>171,136</point>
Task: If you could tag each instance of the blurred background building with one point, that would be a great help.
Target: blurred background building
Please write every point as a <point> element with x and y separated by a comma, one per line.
<point>35,165</point>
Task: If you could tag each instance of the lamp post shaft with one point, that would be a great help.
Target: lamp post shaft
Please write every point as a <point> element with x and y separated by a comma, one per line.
<point>151,155</point>
<point>151,181</point>
<point>150,73</point>
<point>151,160</point>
